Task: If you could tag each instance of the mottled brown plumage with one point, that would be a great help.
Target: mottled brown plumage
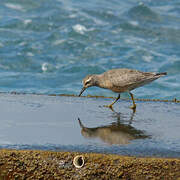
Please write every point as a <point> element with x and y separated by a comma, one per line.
<point>120,80</point>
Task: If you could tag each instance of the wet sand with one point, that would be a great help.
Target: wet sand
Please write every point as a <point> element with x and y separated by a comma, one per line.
<point>31,164</point>
<point>56,123</point>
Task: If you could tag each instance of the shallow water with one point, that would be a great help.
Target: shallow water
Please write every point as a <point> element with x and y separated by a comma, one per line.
<point>51,123</point>
<point>49,47</point>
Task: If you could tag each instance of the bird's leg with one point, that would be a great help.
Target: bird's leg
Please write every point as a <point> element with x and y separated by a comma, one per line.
<point>131,118</point>
<point>134,105</point>
<point>110,105</point>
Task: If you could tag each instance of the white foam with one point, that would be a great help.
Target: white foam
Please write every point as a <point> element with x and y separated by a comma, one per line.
<point>134,40</point>
<point>129,41</point>
<point>14,6</point>
<point>27,21</point>
<point>47,67</point>
<point>30,54</point>
<point>22,43</point>
<point>72,16</point>
<point>44,67</point>
<point>134,23</point>
<point>79,28</point>
<point>147,58</point>
<point>141,3</point>
<point>59,41</point>
<point>117,31</point>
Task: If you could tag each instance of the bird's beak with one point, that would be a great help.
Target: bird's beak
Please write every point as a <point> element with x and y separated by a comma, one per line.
<point>82,90</point>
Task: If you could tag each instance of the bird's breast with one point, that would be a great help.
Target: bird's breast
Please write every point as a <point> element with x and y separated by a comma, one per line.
<point>110,86</point>
<point>118,89</point>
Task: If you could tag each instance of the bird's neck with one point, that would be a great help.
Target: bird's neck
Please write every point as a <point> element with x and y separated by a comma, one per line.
<point>99,81</point>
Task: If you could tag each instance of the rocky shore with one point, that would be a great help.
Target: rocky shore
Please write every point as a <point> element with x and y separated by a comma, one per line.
<point>33,164</point>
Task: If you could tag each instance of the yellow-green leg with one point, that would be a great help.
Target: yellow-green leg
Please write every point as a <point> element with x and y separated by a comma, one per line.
<point>110,105</point>
<point>134,105</point>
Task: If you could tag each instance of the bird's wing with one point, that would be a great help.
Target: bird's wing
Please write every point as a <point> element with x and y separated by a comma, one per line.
<point>128,77</point>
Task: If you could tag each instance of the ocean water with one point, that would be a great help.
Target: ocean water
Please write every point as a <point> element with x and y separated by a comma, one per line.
<point>49,46</point>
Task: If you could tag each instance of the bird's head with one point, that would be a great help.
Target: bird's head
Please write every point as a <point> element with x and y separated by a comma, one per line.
<point>88,81</point>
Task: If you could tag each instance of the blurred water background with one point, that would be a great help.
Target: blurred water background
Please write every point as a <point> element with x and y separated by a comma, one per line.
<point>49,46</point>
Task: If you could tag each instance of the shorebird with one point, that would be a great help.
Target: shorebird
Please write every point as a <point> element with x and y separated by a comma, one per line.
<point>119,81</point>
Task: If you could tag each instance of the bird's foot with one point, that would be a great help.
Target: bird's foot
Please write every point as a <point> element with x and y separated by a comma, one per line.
<point>133,108</point>
<point>109,106</point>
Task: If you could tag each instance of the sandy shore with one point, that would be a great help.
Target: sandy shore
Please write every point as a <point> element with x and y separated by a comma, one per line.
<point>30,164</point>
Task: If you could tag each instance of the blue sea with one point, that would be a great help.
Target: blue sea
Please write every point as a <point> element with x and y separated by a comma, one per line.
<point>49,46</point>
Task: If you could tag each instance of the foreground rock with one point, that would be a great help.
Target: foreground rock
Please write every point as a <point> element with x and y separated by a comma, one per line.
<point>28,164</point>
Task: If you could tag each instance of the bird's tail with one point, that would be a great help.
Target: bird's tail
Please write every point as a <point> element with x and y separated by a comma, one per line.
<point>161,74</point>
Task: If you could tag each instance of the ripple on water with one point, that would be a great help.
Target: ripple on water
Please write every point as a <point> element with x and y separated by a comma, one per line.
<point>14,6</point>
<point>72,36</point>
<point>79,28</point>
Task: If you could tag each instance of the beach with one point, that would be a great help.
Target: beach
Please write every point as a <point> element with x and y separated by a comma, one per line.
<point>28,164</point>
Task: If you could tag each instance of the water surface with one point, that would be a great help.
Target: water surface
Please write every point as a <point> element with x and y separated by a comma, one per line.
<point>82,124</point>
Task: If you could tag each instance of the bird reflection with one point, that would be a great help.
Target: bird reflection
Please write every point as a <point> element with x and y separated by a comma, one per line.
<point>115,133</point>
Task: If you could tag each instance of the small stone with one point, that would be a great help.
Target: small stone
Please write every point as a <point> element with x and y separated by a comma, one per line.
<point>120,174</point>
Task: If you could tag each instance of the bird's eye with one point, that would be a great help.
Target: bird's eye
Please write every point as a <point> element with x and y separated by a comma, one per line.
<point>87,82</point>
